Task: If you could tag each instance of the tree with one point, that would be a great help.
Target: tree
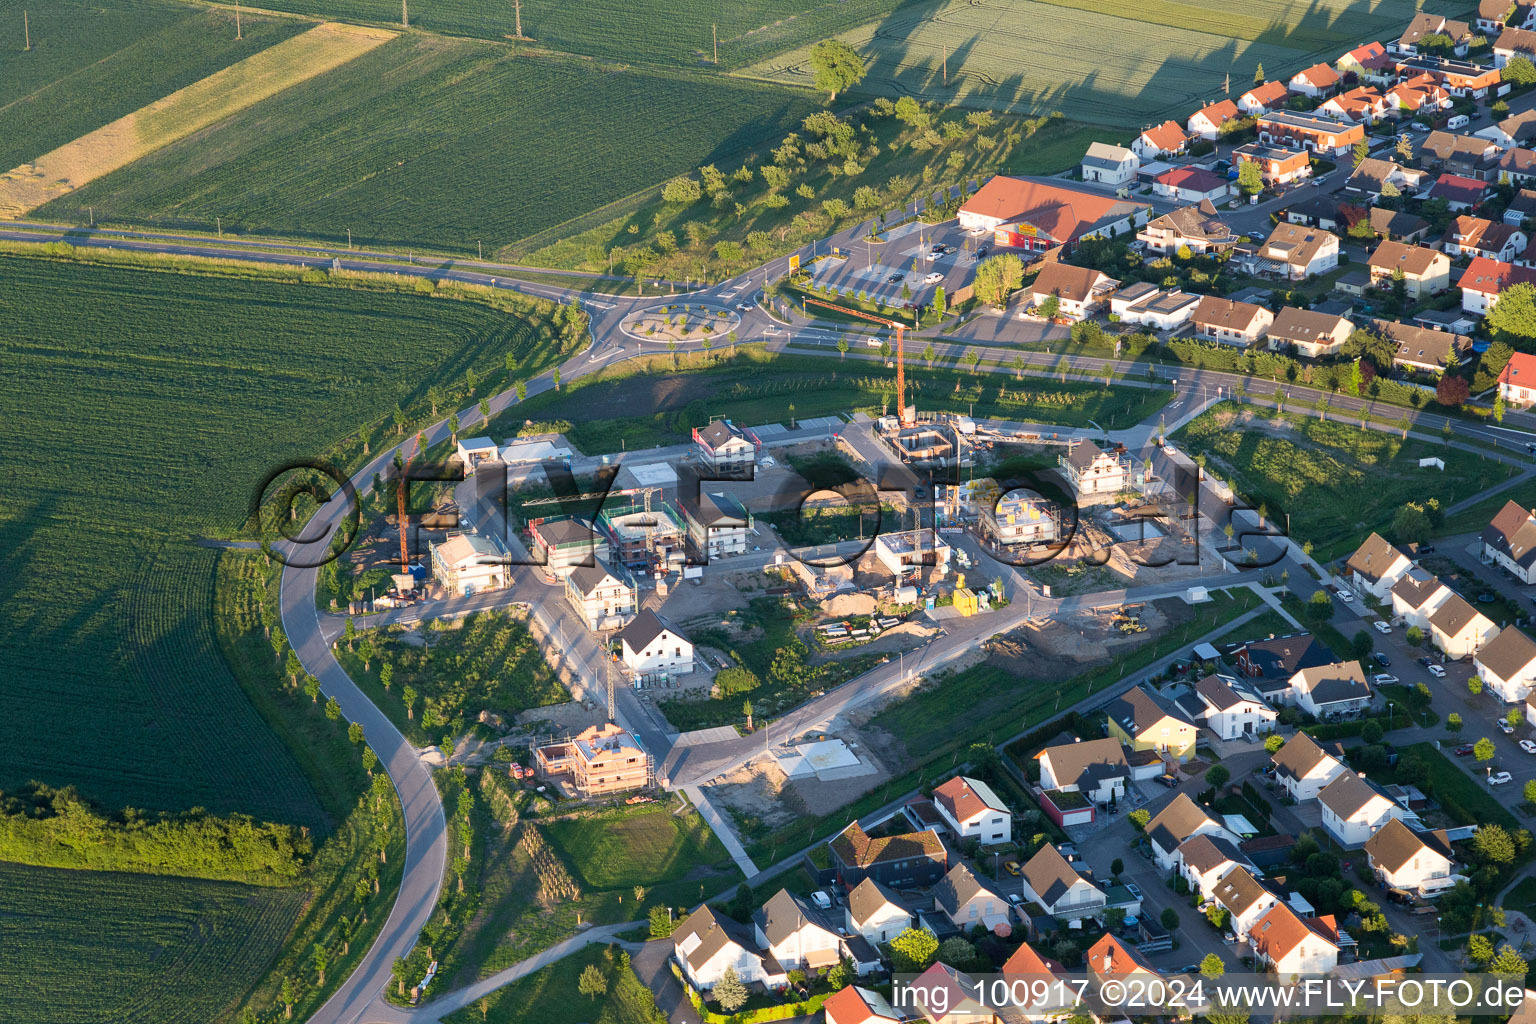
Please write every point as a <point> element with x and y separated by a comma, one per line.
<point>386,675</point>
<point>1362,645</point>
<point>1170,918</point>
<point>842,347</point>
<point>660,919</point>
<point>1320,605</point>
<point>593,984</point>
<point>1483,750</point>
<point>836,66</point>
<point>355,732</point>
<point>1139,818</point>
<point>682,191</point>
<point>1362,150</point>
<point>885,349</point>
<point>729,992</point>
<point>1049,307</point>
<point>1218,775</point>
<point>555,377</point>
<point>996,278</point>
<point>1453,722</point>
<point>1519,72</point>
<point>913,951</point>
<point>1258,74</point>
<point>1273,743</point>
<point>1371,733</point>
<point>956,952</point>
<point>401,968</point>
<point>1514,718</point>
<point>408,696</point>
<point>746,709</point>
<point>332,709</point>
<point>312,688</point>
<point>1494,845</point>
<point>370,761</point>
<point>840,975</point>
<point>1116,867</point>
<point>1513,317</point>
<point>939,304</point>
<point>1474,685</point>
<point>321,958</point>
<point>1453,390</point>
<point>1250,179</point>
<point>1508,961</point>
<point>1212,967</point>
<point>288,996</point>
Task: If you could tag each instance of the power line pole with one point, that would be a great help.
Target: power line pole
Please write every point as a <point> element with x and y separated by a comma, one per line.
<point>237,20</point>
<point>714,35</point>
<point>946,65</point>
<point>26,28</point>
<point>405,17</point>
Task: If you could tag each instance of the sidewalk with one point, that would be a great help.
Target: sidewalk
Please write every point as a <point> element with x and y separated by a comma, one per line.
<point>722,828</point>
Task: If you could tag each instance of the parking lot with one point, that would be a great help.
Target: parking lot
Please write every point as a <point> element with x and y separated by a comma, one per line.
<point>878,270</point>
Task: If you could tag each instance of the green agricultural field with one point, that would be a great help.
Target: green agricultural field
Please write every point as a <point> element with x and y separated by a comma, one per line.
<point>85,946</point>
<point>1113,62</point>
<point>92,61</point>
<point>440,143</point>
<point>1337,482</point>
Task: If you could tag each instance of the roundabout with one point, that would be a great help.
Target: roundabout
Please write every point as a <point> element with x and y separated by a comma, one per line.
<point>681,323</point>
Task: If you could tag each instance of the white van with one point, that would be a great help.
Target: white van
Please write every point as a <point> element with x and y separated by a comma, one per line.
<point>872,342</point>
<point>1458,121</point>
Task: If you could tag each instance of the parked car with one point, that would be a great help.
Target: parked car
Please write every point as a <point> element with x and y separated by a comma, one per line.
<point>1437,671</point>
<point>1381,627</point>
<point>1383,679</point>
<point>933,278</point>
<point>1343,594</point>
<point>1382,660</point>
<point>1424,660</point>
<point>1465,750</point>
<point>1506,728</point>
<point>1133,889</point>
<point>1529,746</point>
<point>1419,126</point>
<point>821,899</point>
<point>896,278</point>
<point>1171,781</point>
<point>1500,778</point>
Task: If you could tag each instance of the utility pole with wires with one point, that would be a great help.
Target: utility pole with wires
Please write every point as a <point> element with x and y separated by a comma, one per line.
<point>26,30</point>
<point>238,35</point>
<point>405,15</point>
<point>946,65</point>
<point>714,35</point>
<point>517,10</point>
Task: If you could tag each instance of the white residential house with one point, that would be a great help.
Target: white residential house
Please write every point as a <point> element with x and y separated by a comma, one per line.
<point>794,933</point>
<point>1261,99</point>
<point>1180,821</point>
<point>725,448</point>
<point>1417,596</point>
<point>1354,808</point>
<point>1509,540</point>
<point>1246,900</point>
<point>1517,381</point>
<point>1292,946</point>
<point>1229,708</point>
<point>1304,769</point>
<point>1376,566</point>
<point>973,811</point>
<point>876,912</point>
<point>603,597</point>
<point>1166,139</point>
<point>1079,291</point>
<point>718,525</point>
<point>1205,860</point>
<point>1331,690</point>
<point>1416,861</point>
<point>1095,768</point>
<point>1317,80</point>
<point>467,563</point>
<point>1110,165</point>
<point>1092,470</point>
<point>1051,881</point>
<point>652,647</point>
<point>1206,122</point>
<point>1507,665</point>
<point>707,943</point>
<point>1459,629</point>
<point>968,899</point>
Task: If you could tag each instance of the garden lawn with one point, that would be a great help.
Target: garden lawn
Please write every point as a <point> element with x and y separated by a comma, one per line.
<point>1336,481</point>
<point>1459,794</point>
<point>640,845</point>
<point>550,996</point>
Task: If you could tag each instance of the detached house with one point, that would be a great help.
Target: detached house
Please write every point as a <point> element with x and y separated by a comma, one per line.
<point>855,1005</point>
<point>1484,279</point>
<point>1419,94</point>
<point>1422,348</point>
<point>1231,323</point>
<point>1199,227</point>
<point>1417,596</point>
<point>1317,80</point>
<point>1303,768</point>
<point>1512,43</point>
<point>1228,708</point>
<point>718,525</point>
<point>1458,629</point>
<point>604,598</point>
<point>876,913</point>
<point>1309,333</point>
<point>1373,175</point>
<point>1205,860</point>
<point>1142,720</point>
<point>1425,271</point>
<point>1079,291</point>
<point>1291,946</point>
<point>1262,98</point>
<point>1474,236</point>
<point>1277,165</point>
<point>1509,540</point>
<point>467,563</point>
<point>708,943</point>
<point>1517,167</point>
<point>1191,185</point>
<point>1298,252</point>
<point>1369,62</point>
<point>1376,566</point>
<point>1459,191</point>
<point>1465,155</point>
<point>1359,106</point>
<point>1206,122</point>
<point>1492,16</point>
<point>968,899</point>
<point>1111,958</point>
<point>1095,768</point>
<point>1330,690</point>
<point>1246,900</point>
<point>726,449</point>
<point>1177,823</point>
<point>1034,1003</point>
<point>973,811</point>
<point>1270,664</point>
<point>1166,139</point>
<point>651,647</point>
<point>793,932</point>
<point>1416,861</point>
<point>1424,24</point>
<point>1092,470</point>
<point>1354,808</point>
<point>1507,665</point>
<point>1517,381</point>
<point>1110,165</point>
<point>1049,880</point>
<point>910,860</point>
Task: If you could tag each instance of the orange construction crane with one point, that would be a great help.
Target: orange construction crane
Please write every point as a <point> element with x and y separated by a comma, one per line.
<point>405,468</point>
<point>901,368</point>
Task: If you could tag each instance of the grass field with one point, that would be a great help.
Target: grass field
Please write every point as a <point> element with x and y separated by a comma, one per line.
<point>440,142</point>
<point>550,996</point>
<point>631,846</point>
<point>93,61</point>
<point>1120,62</point>
<point>1338,482</point>
<point>86,946</point>
<point>188,110</point>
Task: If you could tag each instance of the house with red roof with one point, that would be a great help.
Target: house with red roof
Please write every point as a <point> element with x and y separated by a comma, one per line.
<point>1166,139</point>
<point>1207,121</point>
<point>1291,945</point>
<point>1484,279</point>
<point>1262,98</point>
<point>1517,381</point>
<point>1039,216</point>
<point>855,1005</point>
<point>1459,192</point>
<point>1362,105</point>
<point>1315,81</point>
<point>1370,62</point>
<point>1036,1001</point>
<point>1191,185</point>
<point>1418,93</point>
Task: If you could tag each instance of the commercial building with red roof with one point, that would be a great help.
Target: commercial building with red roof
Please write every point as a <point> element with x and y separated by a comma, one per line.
<point>1039,216</point>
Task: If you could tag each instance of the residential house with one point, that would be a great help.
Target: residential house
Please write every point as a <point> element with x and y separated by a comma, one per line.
<point>1165,311</point>
<point>1080,291</point>
<point>1111,958</point>
<point>1177,823</point>
<point>641,538</point>
<point>1424,24</point>
<point>1277,165</point>
<point>1198,227</point>
<point>968,899</point>
<point>973,811</point>
<point>1092,470</point>
<point>944,995</point>
<point>1522,208</point>
<point>1474,236</point>
<point>1309,333</point>
<point>1483,280</point>
<point>856,1005</point>
<point>1262,98</point>
<point>600,761</point>
<point>1509,539</point>
<point>1517,381</point>
<point>1362,105</point>
<point>1399,226</point>
<point>1420,94</point>
<point>708,943</point>
<point>1051,881</point>
<point>726,449</point>
<point>1191,185</point>
<point>795,934</point>
<point>1369,62</point>
<point>1095,768</point>
<point>1292,946</point>
<point>1492,16</point>
<point>1460,78</point>
<point>467,563</point>
<point>1323,211</point>
<point>1142,720</point>
<point>1246,900</point>
<point>1299,251</point>
<point>1372,175</point>
<point>1460,193</point>
<point>1425,271</point>
<point>653,648</point>
<point>563,543</point>
<point>909,860</point>
<point>1423,349</point>
<point>1517,167</point>
<point>1512,43</point>
<point>1324,136</point>
<point>1204,860</point>
<point>1017,519</point>
<point>1039,217</point>
<point>1330,690</point>
<point>1415,861</point>
<point>1514,130</point>
<point>1230,708</point>
<point>1036,1001</point>
<point>1164,140</point>
<point>604,598</point>
<point>1464,155</point>
<point>1270,663</point>
<point>1303,768</point>
<point>1317,80</point>
<point>1206,122</point>
<point>1376,566</point>
<point>1417,596</point>
<point>1459,629</point>
<point>1354,808</point>
<point>1110,165</point>
<point>876,913</point>
<point>1231,323</point>
<point>718,525</point>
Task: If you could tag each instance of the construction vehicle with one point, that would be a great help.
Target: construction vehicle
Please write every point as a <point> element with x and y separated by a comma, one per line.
<point>405,470</point>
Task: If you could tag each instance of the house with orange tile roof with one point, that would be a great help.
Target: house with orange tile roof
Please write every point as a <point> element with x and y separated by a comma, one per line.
<point>1206,122</point>
<point>1158,141</point>
<point>1292,946</point>
<point>1317,80</point>
<point>973,811</point>
<point>1262,98</point>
